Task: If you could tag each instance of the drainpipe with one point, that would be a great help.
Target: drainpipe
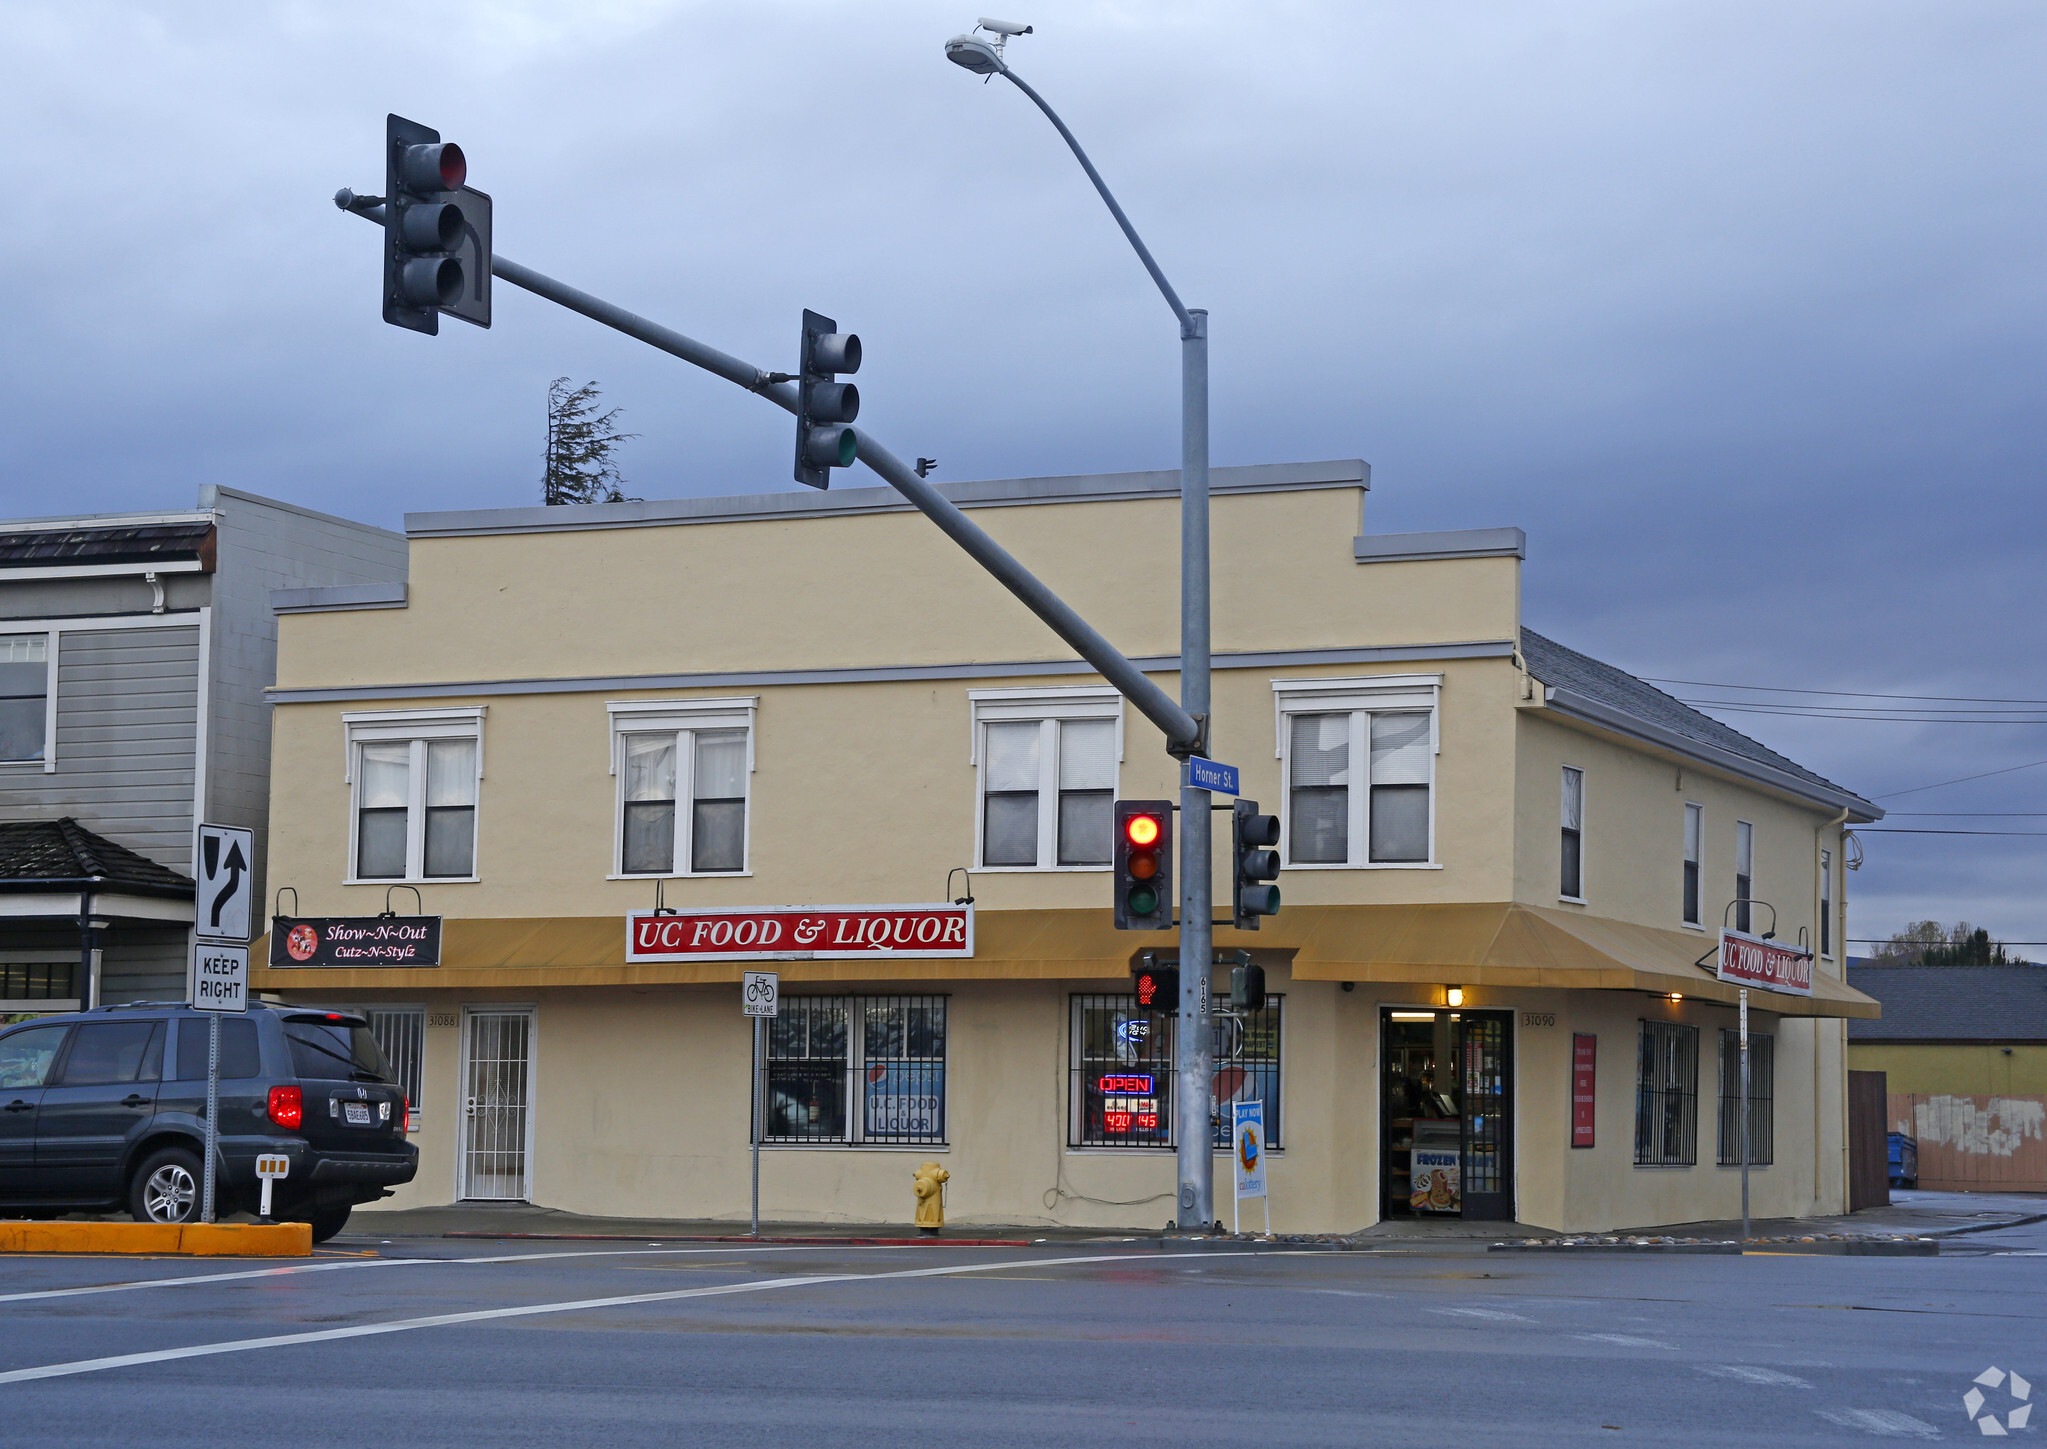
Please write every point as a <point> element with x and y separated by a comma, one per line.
<point>88,947</point>
<point>1841,885</point>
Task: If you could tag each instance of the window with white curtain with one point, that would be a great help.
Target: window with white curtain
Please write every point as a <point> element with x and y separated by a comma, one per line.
<point>1695,832</point>
<point>1359,762</point>
<point>683,768</point>
<point>1047,761</point>
<point>1571,865</point>
<point>1744,872</point>
<point>414,776</point>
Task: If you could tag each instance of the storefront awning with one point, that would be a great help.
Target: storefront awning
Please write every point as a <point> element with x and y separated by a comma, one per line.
<point>1490,944</point>
<point>1510,944</point>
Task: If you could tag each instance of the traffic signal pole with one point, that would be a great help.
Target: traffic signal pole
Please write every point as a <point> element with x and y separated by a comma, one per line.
<point>1193,1065</point>
<point>1180,728</point>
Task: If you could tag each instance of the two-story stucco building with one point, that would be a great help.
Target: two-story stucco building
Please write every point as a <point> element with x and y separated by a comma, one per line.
<point>1503,865</point>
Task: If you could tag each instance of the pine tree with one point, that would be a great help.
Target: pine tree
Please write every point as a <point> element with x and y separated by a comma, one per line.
<point>580,442</point>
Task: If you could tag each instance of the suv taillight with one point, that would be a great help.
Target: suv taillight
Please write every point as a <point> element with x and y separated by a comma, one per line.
<point>288,1107</point>
<point>404,1114</point>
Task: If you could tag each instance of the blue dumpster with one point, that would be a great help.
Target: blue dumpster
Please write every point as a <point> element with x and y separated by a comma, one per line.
<point>1904,1160</point>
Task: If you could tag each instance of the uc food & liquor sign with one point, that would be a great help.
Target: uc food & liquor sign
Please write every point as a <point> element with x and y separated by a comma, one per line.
<point>800,933</point>
<point>1749,960</point>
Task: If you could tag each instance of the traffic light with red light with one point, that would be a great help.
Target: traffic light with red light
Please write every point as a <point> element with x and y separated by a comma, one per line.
<point>1143,873</point>
<point>1155,982</point>
<point>1253,864</point>
<point>825,407</point>
<point>436,231</point>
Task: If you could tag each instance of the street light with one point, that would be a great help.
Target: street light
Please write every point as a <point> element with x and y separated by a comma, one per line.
<point>1192,1065</point>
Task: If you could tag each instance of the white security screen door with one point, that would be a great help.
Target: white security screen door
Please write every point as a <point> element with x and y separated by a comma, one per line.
<point>497,1075</point>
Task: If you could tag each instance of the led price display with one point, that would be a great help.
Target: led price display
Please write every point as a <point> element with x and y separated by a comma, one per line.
<point>1147,1121</point>
<point>1136,1085</point>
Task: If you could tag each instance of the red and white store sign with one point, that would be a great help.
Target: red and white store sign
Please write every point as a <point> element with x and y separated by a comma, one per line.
<point>1749,960</point>
<point>800,933</point>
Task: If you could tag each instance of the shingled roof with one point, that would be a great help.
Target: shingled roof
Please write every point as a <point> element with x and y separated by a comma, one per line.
<point>125,543</point>
<point>40,855</point>
<point>1952,1003</point>
<point>1615,690</point>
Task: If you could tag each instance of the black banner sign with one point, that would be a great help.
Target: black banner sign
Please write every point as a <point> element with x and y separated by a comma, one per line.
<point>297,942</point>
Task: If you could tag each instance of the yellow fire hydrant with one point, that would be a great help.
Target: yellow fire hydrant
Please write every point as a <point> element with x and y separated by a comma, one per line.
<point>930,1190</point>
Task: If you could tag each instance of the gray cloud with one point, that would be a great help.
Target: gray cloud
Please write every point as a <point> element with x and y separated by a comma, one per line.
<point>1737,308</point>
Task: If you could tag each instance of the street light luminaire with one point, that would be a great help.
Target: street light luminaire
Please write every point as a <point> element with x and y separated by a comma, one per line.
<point>980,56</point>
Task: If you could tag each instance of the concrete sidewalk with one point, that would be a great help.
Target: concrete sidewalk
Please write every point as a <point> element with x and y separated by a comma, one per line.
<point>1931,1214</point>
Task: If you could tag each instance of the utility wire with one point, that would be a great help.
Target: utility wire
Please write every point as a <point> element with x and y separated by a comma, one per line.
<point>1963,780</point>
<point>1844,693</point>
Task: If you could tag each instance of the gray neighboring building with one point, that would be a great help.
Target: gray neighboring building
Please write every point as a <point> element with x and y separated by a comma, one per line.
<point>134,652</point>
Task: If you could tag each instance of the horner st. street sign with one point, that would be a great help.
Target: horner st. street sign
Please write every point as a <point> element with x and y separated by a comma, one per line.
<point>797,933</point>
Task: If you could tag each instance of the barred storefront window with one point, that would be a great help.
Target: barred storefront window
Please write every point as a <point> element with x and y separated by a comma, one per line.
<point>853,1070</point>
<point>1120,1073</point>
<point>1762,1087</point>
<point>1667,1095</point>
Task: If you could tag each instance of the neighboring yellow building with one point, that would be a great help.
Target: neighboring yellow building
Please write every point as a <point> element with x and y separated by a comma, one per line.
<point>812,700</point>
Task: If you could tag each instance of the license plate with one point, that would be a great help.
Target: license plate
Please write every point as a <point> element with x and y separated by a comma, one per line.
<point>357,1113</point>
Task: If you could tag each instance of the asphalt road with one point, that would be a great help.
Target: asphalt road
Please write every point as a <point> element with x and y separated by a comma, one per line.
<point>432,1342</point>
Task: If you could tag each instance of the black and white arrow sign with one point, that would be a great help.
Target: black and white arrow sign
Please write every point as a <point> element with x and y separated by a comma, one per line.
<point>221,860</point>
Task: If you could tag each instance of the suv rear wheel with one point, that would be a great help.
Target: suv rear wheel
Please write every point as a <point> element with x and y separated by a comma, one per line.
<point>328,1221</point>
<point>165,1188</point>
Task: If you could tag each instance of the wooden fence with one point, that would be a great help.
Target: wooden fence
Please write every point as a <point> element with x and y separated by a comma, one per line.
<point>1975,1144</point>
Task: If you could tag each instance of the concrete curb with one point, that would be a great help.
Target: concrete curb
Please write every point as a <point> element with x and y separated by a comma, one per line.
<point>1761,1248</point>
<point>195,1240</point>
<point>765,1240</point>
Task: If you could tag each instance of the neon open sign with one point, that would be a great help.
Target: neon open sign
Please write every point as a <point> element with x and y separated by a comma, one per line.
<point>1138,1084</point>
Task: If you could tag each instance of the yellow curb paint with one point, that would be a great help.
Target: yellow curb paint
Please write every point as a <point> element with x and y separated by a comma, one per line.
<point>195,1240</point>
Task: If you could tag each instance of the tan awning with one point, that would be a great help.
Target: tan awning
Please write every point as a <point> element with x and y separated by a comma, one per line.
<point>1491,944</point>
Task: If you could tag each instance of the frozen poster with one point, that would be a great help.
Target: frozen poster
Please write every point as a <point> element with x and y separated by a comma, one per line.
<point>1434,1182</point>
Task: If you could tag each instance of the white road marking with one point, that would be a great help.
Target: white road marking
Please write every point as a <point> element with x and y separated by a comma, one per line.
<point>487,1315</point>
<point>1623,1340</point>
<point>1888,1422</point>
<point>1749,1373</point>
<point>1490,1315</point>
<point>254,1273</point>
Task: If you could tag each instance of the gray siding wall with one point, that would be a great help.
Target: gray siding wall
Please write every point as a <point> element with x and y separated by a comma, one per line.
<point>127,717</point>
<point>144,963</point>
<point>267,545</point>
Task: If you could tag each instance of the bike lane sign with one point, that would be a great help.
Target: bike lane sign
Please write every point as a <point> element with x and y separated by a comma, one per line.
<point>761,993</point>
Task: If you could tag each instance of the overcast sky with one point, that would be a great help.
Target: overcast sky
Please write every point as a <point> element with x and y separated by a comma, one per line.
<point>1736,308</point>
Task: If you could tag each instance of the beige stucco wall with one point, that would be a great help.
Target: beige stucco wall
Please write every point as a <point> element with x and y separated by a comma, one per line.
<point>641,1107</point>
<point>1962,1069</point>
<point>1633,840</point>
<point>864,791</point>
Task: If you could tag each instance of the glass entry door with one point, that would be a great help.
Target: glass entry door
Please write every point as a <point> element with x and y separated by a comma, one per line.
<point>497,1073</point>
<point>1446,1114</point>
<point>1485,1082</point>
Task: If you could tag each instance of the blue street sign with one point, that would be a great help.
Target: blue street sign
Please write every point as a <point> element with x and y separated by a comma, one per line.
<point>1208,775</point>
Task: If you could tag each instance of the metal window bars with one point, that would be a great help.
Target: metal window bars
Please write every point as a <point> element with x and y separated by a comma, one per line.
<point>853,1071</point>
<point>1120,1072</point>
<point>1667,1095</point>
<point>1762,1073</point>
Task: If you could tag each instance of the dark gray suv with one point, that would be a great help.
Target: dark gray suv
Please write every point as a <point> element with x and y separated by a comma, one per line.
<point>107,1108</point>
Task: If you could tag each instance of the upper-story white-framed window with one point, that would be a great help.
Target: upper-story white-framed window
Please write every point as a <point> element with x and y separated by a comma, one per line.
<point>27,698</point>
<point>1571,857</point>
<point>1695,850</point>
<point>413,777</point>
<point>1358,758</point>
<point>1744,872</point>
<point>684,769</point>
<point>1046,762</point>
